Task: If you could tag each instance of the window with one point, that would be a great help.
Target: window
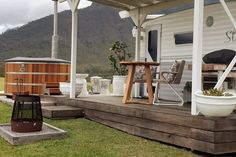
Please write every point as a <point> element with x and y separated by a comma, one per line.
<point>152,44</point>
<point>183,38</point>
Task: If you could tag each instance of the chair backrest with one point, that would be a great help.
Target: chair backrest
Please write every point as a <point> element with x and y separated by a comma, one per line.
<point>140,76</point>
<point>178,76</point>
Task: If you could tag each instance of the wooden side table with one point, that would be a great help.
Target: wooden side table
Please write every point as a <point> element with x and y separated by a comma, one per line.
<point>131,70</point>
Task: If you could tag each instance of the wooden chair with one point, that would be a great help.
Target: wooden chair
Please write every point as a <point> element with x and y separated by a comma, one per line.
<point>170,77</point>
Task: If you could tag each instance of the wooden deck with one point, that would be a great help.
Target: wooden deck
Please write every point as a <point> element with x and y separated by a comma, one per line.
<point>170,124</point>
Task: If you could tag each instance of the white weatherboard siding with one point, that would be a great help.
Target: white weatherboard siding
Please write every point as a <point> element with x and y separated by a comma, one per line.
<point>182,22</point>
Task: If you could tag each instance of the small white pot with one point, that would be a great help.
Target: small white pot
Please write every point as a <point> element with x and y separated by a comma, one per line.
<point>215,106</point>
<point>118,85</point>
<point>65,88</point>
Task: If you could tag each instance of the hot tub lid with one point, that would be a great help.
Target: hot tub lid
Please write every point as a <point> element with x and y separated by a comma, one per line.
<point>30,59</point>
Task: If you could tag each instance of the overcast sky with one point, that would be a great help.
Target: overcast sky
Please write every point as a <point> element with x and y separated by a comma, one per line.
<point>15,13</point>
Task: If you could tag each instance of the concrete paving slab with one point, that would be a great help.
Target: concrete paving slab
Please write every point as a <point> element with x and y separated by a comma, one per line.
<point>6,100</point>
<point>14,138</point>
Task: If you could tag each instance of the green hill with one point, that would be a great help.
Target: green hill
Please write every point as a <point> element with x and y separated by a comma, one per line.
<point>98,27</point>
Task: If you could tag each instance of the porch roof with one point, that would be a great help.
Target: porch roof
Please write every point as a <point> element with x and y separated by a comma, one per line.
<point>146,6</point>
<point>165,6</point>
<point>130,4</point>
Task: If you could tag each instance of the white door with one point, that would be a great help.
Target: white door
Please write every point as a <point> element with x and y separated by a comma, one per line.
<point>153,43</point>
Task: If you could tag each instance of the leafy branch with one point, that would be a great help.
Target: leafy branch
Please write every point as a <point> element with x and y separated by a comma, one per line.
<point>117,54</point>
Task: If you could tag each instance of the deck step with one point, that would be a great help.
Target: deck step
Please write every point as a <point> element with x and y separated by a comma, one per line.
<point>50,98</point>
<point>62,112</point>
<point>52,91</point>
<point>52,88</point>
<point>48,103</point>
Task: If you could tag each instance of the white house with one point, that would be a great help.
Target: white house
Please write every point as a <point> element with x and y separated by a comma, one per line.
<point>160,38</point>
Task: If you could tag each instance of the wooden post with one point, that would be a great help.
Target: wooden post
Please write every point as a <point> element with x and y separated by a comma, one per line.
<point>197,51</point>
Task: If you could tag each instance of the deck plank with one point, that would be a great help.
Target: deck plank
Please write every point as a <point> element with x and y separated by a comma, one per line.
<point>150,134</point>
<point>116,101</point>
<point>160,114</point>
<point>140,122</point>
<point>160,136</point>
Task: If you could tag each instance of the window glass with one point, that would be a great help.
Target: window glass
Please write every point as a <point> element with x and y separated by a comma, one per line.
<point>152,44</point>
<point>184,38</point>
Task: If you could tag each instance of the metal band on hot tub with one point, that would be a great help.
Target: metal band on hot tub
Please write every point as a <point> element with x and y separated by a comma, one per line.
<point>36,63</point>
<point>26,84</point>
<point>35,73</point>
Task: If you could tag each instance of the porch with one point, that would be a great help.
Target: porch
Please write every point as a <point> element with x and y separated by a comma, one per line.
<point>169,124</point>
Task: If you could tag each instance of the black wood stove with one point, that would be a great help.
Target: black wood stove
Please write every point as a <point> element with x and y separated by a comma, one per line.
<point>27,114</point>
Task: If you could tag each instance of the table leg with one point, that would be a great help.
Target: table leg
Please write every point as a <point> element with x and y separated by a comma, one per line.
<point>149,83</point>
<point>129,83</point>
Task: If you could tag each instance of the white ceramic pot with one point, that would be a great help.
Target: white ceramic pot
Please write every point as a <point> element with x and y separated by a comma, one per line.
<point>215,106</point>
<point>65,88</point>
<point>118,85</point>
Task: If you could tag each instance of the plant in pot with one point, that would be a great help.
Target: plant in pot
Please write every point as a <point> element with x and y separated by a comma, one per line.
<point>215,102</point>
<point>117,54</point>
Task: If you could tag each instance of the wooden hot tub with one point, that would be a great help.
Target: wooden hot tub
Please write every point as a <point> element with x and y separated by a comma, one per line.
<point>34,73</point>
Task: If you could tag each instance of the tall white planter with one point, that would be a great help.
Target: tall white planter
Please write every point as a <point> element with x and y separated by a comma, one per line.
<point>215,106</point>
<point>118,85</point>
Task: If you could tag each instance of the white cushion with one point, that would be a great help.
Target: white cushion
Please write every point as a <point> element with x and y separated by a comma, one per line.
<point>173,69</point>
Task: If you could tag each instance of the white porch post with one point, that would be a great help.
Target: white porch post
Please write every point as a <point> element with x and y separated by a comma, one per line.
<point>138,19</point>
<point>138,38</point>
<point>137,51</point>
<point>55,37</point>
<point>197,51</point>
<point>73,6</point>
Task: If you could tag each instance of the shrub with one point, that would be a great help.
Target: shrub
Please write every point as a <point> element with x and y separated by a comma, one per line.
<point>117,54</point>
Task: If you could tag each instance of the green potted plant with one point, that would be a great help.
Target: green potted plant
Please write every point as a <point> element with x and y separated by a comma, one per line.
<point>117,54</point>
<point>215,102</point>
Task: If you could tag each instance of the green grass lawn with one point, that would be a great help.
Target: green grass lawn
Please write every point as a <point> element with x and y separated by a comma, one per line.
<point>87,139</point>
<point>1,83</point>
